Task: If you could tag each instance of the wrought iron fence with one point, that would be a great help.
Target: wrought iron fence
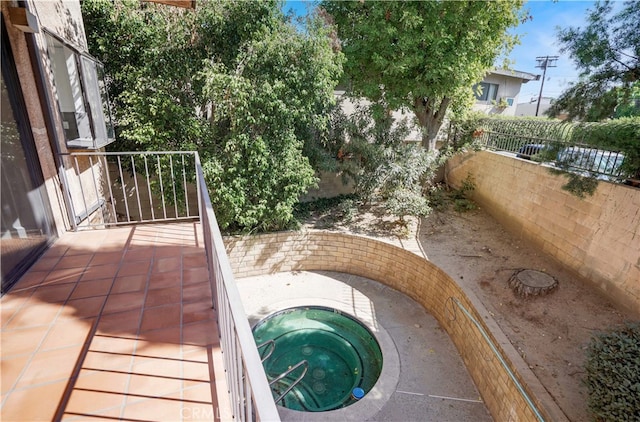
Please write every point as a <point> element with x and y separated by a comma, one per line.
<point>115,188</point>
<point>567,146</point>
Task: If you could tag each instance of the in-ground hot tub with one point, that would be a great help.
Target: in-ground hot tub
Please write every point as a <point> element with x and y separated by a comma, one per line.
<point>317,358</point>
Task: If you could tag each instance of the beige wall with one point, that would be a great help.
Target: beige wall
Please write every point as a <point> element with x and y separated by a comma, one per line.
<point>597,237</point>
<point>62,17</point>
<point>425,283</point>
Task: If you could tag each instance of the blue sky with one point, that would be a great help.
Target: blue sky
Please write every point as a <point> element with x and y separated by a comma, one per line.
<point>538,38</point>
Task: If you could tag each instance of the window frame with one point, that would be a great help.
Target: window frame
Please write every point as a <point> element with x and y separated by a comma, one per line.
<point>86,92</point>
<point>487,91</point>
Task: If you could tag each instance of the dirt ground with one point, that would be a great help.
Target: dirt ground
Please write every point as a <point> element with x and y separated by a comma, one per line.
<point>550,332</point>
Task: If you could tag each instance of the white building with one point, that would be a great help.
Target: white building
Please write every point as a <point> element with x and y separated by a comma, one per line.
<point>498,92</point>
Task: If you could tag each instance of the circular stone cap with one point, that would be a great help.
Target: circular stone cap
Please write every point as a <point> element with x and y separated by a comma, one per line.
<point>532,283</point>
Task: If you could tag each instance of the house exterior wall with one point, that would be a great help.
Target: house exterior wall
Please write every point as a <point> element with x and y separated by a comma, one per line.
<point>64,19</point>
<point>507,87</point>
<point>597,237</point>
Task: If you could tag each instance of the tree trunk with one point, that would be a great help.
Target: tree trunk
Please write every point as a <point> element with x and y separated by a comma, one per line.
<point>430,114</point>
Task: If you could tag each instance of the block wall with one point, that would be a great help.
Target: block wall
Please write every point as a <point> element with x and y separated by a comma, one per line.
<point>461,315</point>
<point>597,237</point>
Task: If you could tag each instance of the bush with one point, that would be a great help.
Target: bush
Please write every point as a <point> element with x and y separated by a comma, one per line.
<point>613,374</point>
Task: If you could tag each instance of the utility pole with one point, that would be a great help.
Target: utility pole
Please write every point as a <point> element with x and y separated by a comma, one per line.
<point>544,62</point>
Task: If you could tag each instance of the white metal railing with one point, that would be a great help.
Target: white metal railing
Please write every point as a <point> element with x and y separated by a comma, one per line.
<point>137,187</point>
<point>115,188</point>
<point>249,390</point>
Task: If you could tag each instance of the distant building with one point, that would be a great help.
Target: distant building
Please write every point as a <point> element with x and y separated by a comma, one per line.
<point>529,109</point>
<point>498,92</point>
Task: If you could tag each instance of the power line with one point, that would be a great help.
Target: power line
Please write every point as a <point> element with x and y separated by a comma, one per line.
<point>544,62</point>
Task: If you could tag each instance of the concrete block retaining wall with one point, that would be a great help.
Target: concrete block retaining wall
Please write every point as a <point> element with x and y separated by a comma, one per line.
<point>598,237</point>
<point>425,283</point>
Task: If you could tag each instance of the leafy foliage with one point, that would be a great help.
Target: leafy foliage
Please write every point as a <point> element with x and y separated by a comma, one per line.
<point>423,56</point>
<point>607,51</point>
<point>382,165</point>
<point>235,81</point>
<point>613,374</point>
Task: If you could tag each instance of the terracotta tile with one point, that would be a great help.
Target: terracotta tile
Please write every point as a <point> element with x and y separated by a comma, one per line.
<point>10,370</point>
<point>34,313</point>
<point>194,412</point>
<point>107,258</point>
<point>97,272</point>
<point>84,308</point>
<point>124,302</point>
<point>197,371</point>
<point>53,365</point>
<point>154,409</point>
<point>104,381</point>
<point>138,254</point>
<point>195,260</point>
<point>163,251</point>
<point>197,311</point>
<point>197,292</point>
<point>90,288</point>
<point>164,265</point>
<point>134,268</point>
<point>157,366</point>
<point>107,361</point>
<point>195,275</point>
<point>132,283</point>
<point>203,333</point>
<point>89,405</point>
<point>168,279</point>
<point>67,275</point>
<point>121,323</point>
<point>112,345</point>
<point>24,341</point>
<point>152,344</point>
<point>197,392</point>
<point>55,293</point>
<point>165,296</point>
<point>160,317</point>
<point>74,261</point>
<point>67,332</point>
<point>30,279</point>
<point>15,298</point>
<point>45,263</point>
<point>57,250</point>
<point>153,386</point>
<point>34,404</point>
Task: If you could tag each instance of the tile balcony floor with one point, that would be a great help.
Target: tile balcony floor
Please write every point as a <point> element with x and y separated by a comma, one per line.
<point>115,325</point>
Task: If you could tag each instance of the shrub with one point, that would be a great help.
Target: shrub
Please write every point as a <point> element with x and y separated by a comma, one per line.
<point>613,374</point>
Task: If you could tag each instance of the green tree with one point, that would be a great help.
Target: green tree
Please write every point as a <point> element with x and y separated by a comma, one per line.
<point>423,55</point>
<point>234,80</point>
<point>607,52</point>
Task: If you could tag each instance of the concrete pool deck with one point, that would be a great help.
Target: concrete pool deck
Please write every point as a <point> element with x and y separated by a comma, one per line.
<point>426,379</point>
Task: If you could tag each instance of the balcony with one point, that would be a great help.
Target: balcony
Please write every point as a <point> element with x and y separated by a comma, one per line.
<point>117,322</point>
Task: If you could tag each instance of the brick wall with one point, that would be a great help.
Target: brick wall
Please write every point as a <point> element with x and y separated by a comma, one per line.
<point>597,237</point>
<point>423,282</point>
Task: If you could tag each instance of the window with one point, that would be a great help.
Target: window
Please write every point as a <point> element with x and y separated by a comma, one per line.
<point>487,91</point>
<point>82,97</point>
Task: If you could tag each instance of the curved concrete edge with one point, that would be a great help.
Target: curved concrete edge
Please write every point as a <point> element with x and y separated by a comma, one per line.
<point>423,282</point>
<point>378,396</point>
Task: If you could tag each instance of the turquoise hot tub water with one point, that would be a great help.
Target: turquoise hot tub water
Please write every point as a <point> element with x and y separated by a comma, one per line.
<point>317,359</point>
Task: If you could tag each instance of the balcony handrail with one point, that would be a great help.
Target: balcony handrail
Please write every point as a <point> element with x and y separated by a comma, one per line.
<point>117,188</point>
<point>249,390</point>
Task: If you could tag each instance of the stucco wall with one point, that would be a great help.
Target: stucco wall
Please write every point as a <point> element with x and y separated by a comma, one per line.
<point>507,87</point>
<point>597,237</point>
<point>423,282</point>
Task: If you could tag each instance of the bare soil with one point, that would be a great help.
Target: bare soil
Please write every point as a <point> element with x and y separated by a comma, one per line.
<point>551,332</point>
